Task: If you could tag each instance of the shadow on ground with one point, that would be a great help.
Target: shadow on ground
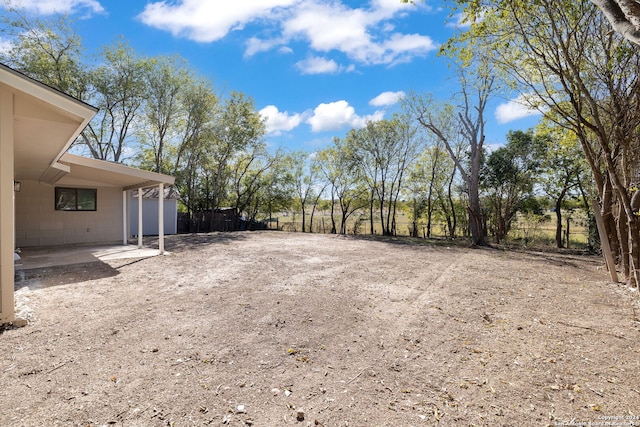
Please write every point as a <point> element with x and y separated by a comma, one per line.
<point>38,278</point>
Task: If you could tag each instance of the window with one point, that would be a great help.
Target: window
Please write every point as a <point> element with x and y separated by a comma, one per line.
<point>76,199</point>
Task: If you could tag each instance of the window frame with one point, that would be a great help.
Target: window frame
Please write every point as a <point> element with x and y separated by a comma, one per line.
<point>76,197</point>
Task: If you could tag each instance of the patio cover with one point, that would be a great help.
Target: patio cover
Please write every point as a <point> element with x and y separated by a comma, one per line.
<point>85,171</point>
<point>80,170</point>
<point>38,124</point>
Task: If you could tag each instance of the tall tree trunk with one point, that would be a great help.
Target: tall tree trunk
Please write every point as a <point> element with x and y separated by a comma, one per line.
<point>313,211</point>
<point>371,228</point>
<point>634,253</point>
<point>476,220</point>
<point>414,222</point>
<point>559,219</point>
<point>623,233</point>
<point>333,219</point>
<point>429,214</point>
<point>454,221</point>
<point>304,219</point>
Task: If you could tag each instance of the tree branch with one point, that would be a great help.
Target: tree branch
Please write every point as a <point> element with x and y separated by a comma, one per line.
<point>624,16</point>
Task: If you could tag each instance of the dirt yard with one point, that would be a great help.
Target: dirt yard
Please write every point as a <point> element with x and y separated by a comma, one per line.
<point>277,329</point>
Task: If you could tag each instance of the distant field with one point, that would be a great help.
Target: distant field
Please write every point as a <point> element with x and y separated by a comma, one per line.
<point>524,230</point>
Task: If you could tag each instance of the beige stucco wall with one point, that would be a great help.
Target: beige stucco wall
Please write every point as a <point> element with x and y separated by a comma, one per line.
<point>39,224</point>
<point>6,205</point>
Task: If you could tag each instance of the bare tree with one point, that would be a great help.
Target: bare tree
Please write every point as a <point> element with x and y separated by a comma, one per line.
<point>466,121</point>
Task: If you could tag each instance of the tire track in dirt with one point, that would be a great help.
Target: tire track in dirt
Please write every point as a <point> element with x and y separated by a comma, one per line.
<point>249,328</point>
<point>430,293</point>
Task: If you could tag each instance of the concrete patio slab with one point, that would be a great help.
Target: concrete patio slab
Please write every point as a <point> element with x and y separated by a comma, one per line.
<point>42,257</point>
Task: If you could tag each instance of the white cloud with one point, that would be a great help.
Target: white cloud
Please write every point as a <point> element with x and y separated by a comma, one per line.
<point>515,109</point>
<point>491,147</point>
<point>335,27</point>
<point>256,45</point>
<point>339,115</point>
<point>399,43</point>
<point>330,27</point>
<point>363,34</point>
<point>318,65</point>
<point>278,121</point>
<point>50,7</point>
<point>332,116</point>
<point>208,21</point>
<point>387,98</point>
<point>5,46</point>
<point>390,6</point>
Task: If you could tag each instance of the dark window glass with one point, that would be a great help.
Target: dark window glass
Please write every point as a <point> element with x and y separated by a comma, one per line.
<point>86,199</point>
<point>76,199</point>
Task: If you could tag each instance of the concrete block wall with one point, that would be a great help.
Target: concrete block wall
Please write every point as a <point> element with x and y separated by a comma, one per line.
<point>39,224</point>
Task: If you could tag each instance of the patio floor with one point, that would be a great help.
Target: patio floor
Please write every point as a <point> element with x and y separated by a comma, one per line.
<point>42,257</point>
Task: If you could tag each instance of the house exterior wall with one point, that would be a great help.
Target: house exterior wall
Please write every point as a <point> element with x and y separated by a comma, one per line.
<point>38,223</point>
<point>7,310</point>
<point>150,216</point>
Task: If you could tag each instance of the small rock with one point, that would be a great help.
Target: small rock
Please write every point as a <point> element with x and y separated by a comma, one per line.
<point>240,409</point>
<point>300,415</point>
<point>287,393</point>
<point>19,323</point>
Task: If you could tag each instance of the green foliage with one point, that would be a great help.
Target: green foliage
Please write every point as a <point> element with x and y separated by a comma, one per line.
<point>509,178</point>
<point>584,77</point>
<point>428,185</point>
<point>339,166</point>
<point>564,170</point>
<point>47,50</point>
<point>533,206</point>
<point>382,151</point>
<point>118,90</point>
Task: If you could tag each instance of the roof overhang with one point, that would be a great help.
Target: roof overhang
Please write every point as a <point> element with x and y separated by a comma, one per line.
<point>86,172</point>
<point>46,122</point>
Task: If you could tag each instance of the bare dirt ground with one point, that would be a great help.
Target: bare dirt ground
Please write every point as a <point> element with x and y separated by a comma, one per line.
<point>276,329</point>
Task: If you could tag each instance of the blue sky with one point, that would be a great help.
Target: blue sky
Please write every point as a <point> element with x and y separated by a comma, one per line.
<point>315,68</point>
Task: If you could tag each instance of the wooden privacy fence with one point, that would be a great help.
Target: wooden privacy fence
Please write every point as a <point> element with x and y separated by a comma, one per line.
<point>224,219</point>
<point>205,222</point>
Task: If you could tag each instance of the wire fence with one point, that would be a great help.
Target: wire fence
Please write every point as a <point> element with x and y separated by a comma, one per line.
<point>542,234</point>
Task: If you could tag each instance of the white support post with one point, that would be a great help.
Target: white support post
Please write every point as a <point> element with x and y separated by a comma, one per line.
<point>140,218</point>
<point>161,218</point>
<point>125,234</point>
<point>7,213</point>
